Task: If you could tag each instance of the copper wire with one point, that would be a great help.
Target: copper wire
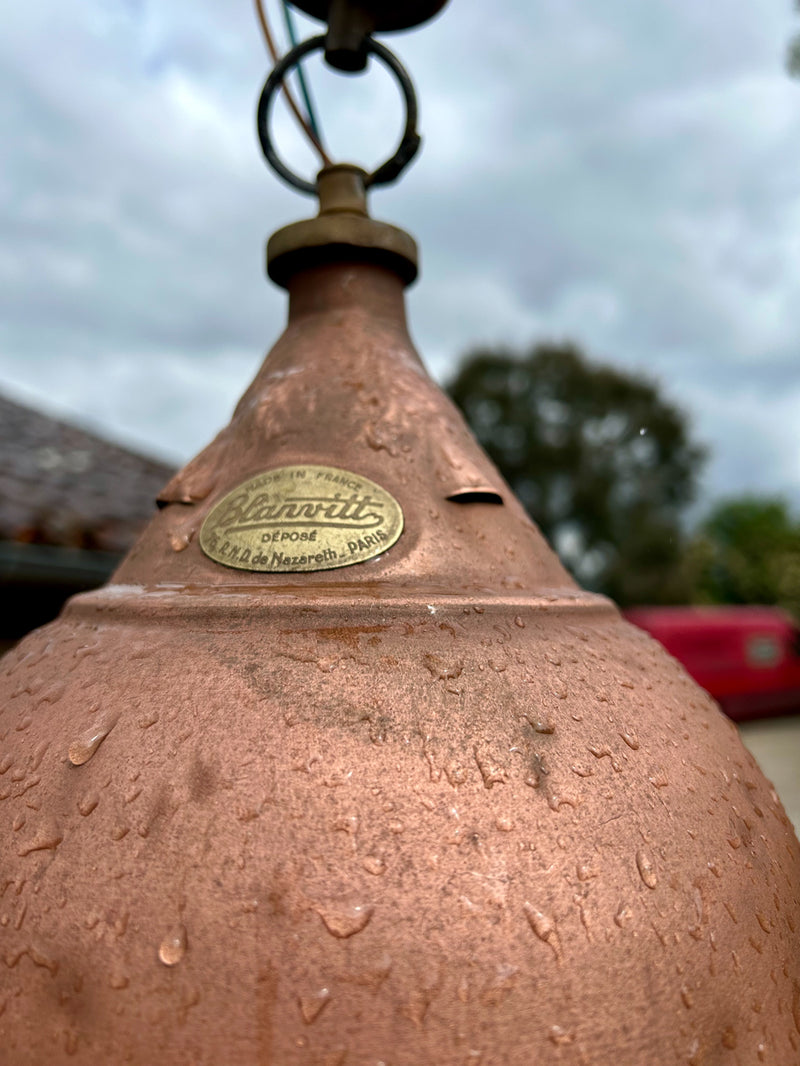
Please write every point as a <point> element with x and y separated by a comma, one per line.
<point>298,114</point>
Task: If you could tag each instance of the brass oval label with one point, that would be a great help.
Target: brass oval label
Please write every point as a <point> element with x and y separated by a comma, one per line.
<point>301,518</point>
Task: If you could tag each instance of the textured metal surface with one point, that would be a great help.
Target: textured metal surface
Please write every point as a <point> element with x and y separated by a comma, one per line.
<point>439,807</point>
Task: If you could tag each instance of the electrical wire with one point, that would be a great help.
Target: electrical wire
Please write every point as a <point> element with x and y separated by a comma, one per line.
<point>304,89</point>
<point>303,121</point>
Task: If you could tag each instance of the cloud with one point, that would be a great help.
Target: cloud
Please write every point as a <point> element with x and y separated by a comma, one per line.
<point>623,175</point>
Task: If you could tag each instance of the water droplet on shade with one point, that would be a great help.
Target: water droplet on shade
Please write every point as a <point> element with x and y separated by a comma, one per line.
<point>491,773</point>
<point>173,947</point>
<point>312,1006</point>
<point>605,752</point>
<point>374,864</point>
<point>47,839</point>
<point>729,1038</point>
<point>559,1036</point>
<point>543,927</point>
<point>180,541</point>
<point>646,869</point>
<point>88,803</point>
<point>630,738</point>
<point>443,669</point>
<point>54,693</point>
<point>343,922</point>
<point>582,771</point>
<point>541,723</point>
<point>500,985</point>
<point>81,750</point>
<point>623,915</point>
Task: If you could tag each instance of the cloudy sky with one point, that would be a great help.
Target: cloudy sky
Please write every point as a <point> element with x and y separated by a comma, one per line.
<point>623,175</point>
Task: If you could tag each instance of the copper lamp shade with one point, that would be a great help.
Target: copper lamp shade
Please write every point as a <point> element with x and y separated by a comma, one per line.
<point>433,807</point>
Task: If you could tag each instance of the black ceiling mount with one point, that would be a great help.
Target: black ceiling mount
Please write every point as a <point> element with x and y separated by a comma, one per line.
<point>350,22</point>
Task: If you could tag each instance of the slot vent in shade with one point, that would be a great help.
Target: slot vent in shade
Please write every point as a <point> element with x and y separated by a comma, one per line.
<point>481,494</point>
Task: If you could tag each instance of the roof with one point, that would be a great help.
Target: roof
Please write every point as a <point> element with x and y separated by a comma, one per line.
<point>65,487</point>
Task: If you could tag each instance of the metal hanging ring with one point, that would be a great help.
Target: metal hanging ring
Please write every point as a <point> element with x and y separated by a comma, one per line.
<point>392,168</point>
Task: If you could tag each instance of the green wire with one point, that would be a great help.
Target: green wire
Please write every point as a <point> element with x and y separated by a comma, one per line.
<point>312,118</point>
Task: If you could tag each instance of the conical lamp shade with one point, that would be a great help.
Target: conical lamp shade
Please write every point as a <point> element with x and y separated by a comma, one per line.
<point>435,806</point>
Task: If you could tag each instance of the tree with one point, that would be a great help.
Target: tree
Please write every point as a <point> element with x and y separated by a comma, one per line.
<point>602,462</point>
<point>748,551</point>
<point>793,52</point>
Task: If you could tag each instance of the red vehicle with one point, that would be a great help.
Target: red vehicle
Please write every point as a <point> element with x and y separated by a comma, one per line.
<point>747,658</point>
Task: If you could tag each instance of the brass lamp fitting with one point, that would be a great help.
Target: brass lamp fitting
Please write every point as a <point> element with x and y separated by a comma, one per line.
<point>341,231</point>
